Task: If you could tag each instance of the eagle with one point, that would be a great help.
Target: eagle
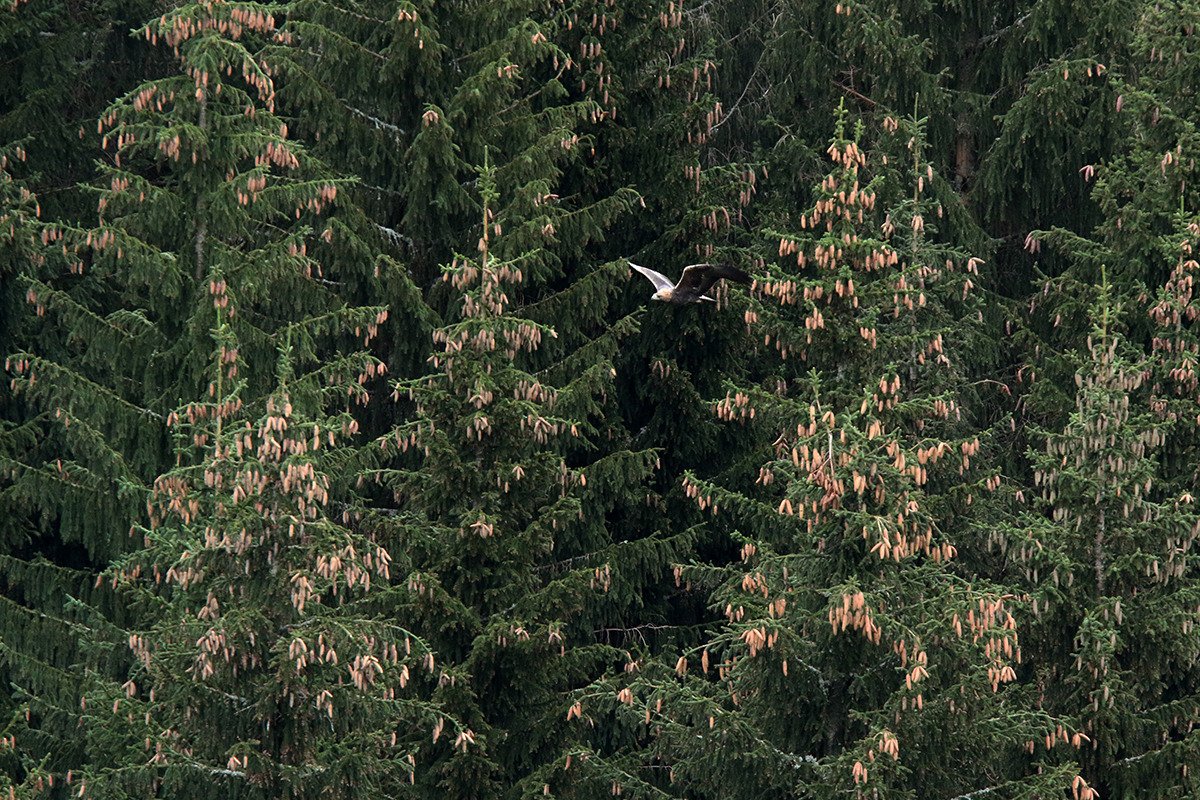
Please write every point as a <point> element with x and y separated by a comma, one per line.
<point>695,281</point>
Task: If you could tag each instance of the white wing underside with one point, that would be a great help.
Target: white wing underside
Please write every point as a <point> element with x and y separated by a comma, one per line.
<point>659,280</point>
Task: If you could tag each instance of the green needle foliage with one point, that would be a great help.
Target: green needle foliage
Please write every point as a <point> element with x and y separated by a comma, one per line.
<point>505,490</point>
<point>341,454</point>
<point>853,655</point>
<point>205,472</point>
<point>1105,556</point>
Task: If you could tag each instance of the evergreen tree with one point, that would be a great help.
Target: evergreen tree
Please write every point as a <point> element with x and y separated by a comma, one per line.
<point>198,383</point>
<point>852,656</point>
<point>55,59</point>
<point>1106,560</point>
<point>1106,553</point>
<point>506,509</point>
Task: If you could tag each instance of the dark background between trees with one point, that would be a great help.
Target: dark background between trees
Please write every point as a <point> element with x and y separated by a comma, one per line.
<point>342,456</point>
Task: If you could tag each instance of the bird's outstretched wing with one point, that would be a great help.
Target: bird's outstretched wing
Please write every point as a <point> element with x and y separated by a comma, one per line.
<point>659,280</point>
<point>699,278</point>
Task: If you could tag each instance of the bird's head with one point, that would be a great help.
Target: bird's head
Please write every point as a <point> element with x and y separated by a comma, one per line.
<point>662,295</point>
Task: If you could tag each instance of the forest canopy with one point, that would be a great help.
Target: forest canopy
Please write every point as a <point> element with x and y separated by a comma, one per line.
<point>342,453</point>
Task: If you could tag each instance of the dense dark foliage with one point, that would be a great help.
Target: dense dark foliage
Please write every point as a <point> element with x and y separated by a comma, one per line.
<point>342,455</point>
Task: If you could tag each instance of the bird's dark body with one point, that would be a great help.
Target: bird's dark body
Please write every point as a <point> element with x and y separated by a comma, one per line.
<point>699,278</point>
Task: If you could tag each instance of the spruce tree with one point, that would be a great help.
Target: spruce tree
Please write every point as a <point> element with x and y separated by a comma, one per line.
<point>506,492</point>
<point>853,655</point>
<point>1105,550</point>
<point>1105,556</point>
<point>241,637</point>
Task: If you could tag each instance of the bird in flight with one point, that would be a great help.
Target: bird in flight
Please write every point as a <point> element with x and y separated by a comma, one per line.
<point>695,281</point>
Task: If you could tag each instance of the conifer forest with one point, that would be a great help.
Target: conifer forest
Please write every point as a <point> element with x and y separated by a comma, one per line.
<point>344,455</point>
